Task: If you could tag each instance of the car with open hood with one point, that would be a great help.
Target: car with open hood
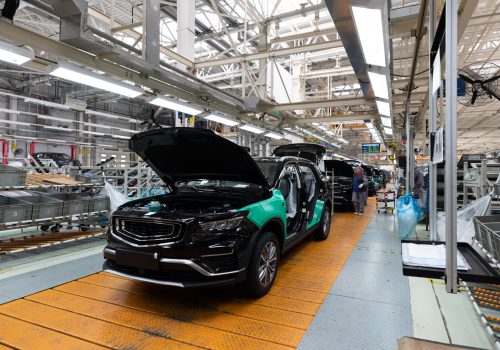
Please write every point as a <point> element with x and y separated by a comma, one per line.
<point>226,217</point>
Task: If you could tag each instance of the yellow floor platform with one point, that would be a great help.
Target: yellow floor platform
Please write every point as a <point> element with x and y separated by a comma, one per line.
<point>106,311</point>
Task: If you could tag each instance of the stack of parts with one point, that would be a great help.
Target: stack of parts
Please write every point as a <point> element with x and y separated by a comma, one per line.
<point>428,255</point>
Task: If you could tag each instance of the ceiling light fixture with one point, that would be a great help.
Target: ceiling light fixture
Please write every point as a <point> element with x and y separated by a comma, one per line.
<point>108,115</point>
<point>383,108</point>
<point>15,54</point>
<point>274,135</point>
<point>379,84</point>
<point>176,105</point>
<point>251,128</point>
<point>388,131</point>
<point>220,119</point>
<point>79,75</point>
<point>368,23</point>
<point>46,103</point>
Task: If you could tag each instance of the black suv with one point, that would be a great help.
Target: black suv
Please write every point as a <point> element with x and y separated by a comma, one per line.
<point>61,159</point>
<point>343,174</point>
<point>226,218</point>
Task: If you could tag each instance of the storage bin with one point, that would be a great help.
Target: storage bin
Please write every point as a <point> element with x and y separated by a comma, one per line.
<point>488,233</point>
<point>100,203</point>
<point>74,203</point>
<point>14,210</point>
<point>11,176</point>
<point>44,207</point>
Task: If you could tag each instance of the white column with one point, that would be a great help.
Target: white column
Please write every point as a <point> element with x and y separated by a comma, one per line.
<point>151,32</point>
<point>186,11</point>
<point>450,179</point>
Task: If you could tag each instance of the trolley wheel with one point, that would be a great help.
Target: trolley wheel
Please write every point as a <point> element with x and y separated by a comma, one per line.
<point>84,228</point>
<point>69,227</point>
<point>44,227</point>
<point>54,228</point>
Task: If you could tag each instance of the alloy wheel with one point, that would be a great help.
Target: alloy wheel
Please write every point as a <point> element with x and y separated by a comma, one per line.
<point>267,263</point>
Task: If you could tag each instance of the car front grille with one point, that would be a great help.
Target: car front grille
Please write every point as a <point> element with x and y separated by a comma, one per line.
<point>145,233</point>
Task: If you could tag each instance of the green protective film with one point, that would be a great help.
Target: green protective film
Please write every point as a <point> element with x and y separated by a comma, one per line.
<point>261,212</point>
<point>318,210</point>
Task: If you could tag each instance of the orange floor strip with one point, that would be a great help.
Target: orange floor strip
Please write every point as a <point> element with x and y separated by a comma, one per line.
<point>103,310</point>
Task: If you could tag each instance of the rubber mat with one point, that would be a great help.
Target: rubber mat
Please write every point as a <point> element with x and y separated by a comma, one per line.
<point>104,310</point>
<point>45,239</point>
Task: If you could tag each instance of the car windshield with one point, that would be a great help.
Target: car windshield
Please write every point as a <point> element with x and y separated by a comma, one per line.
<point>269,169</point>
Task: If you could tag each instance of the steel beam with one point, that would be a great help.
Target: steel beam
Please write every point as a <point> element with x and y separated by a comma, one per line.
<point>269,54</point>
<point>333,119</point>
<point>316,104</point>
<point>122,66</point>
<point>450,196</point>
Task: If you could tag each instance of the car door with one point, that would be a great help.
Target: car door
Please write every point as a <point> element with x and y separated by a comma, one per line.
<point>313,193</point>
<point>291,186</point>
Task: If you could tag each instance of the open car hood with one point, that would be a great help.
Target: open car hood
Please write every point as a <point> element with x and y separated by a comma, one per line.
<point>178,154</point>
<point>311,151</point>
<point>339,167</point>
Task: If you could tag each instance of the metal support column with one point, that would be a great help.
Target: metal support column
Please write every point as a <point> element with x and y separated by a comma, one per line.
<point>263,46</point>
<point>186,11</point>
<point>432,129</point>
<point>450,199</point>
<point>409,149</point>
<point>151,32</point>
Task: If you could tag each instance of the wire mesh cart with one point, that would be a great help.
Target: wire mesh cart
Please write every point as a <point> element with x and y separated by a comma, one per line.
<point>386,201</point>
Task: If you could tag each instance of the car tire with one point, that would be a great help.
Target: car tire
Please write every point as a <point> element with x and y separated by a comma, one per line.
<point>263,265</point>
<point>323,230</point>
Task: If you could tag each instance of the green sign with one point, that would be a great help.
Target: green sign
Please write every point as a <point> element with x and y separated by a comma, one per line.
<point>370,148</point>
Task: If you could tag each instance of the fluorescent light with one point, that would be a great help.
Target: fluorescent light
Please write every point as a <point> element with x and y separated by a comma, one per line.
<point>120,137</point>
<point>386,122</point>
<point>371,34</point>
<point>220,119</point>
<point>274,135</point>
<point>383,108</point>
<point>316,124</point>
<point>388,131</point>
<point>369,125</point>
<point>343,140</point>
<point>15,54</point>
<point>79,75</point>
<point>108,115</point>
<point>57,128</point>
<point>48,117</point>
<point>379,84</point>
<point>46,103</point>
<point>251,128</point>
<point>171,103</point>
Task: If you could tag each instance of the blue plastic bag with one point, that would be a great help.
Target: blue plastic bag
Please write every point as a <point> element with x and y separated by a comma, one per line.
<point>408,213</point>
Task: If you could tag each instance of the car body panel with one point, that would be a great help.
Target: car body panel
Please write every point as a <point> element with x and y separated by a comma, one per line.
<point>180,154</point>
<point>318,211</point>
<point>272,208</point>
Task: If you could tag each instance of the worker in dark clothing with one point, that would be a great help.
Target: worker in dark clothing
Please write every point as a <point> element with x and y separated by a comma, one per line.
<point>359,191</point>
<point>9,9</point>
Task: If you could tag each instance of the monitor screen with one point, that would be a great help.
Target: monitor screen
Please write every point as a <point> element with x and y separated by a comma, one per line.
<point>370,148</point>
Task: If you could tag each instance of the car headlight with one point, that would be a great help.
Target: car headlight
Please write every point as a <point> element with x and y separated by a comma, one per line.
<point>221,225</point>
